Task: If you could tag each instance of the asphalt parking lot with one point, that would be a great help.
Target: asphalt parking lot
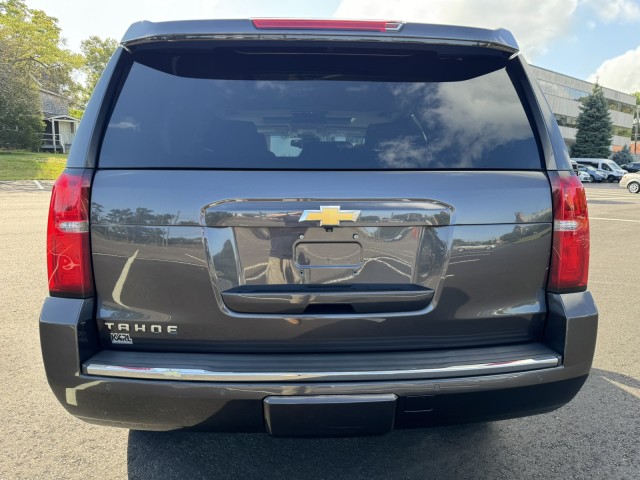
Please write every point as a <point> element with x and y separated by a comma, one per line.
<point>595,436</point>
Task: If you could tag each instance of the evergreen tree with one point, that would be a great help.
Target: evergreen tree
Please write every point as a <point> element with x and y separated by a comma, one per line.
<point>623,156</point>
<point>595,129</point>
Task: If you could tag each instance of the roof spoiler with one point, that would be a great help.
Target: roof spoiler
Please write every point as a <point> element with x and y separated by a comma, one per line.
<point>290,29</point>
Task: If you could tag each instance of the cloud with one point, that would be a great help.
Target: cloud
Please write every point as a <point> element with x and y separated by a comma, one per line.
<point>615,10</point>
<point>484,114</point>
<point>620,73</point>
<point>535,24</point>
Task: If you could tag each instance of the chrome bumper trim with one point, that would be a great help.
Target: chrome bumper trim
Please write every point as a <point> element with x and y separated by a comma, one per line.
<point>202,375</point>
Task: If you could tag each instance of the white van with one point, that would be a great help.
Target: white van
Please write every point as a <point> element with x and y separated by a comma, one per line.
<point>612,170</point>
<point>574,165</point>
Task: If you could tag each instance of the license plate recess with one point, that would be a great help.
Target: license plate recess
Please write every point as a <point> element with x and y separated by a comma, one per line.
<point>329,415</point>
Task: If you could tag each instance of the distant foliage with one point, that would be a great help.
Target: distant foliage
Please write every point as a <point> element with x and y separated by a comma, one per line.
<point>34,45</point>
<point>76,113</point>
<point>96,53</point>
<point>595,129</point>
<point>20,117</point>
<point>32,55</point>
<point>623,156</point>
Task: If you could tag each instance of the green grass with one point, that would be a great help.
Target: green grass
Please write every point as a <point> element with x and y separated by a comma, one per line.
<point>31,166</point>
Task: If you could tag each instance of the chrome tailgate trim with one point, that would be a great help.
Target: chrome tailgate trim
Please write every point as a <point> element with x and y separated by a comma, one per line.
<point>136,365</point>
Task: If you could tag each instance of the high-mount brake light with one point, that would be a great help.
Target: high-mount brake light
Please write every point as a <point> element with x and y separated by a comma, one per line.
<point>307,24</point>
<point>68,253</point>
<point>569,269</point>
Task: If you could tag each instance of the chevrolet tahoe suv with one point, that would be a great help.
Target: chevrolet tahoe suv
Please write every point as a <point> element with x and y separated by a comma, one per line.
<point>265,226</point>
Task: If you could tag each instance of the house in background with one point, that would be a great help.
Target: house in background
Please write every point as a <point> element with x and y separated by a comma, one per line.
<point>60,129</point>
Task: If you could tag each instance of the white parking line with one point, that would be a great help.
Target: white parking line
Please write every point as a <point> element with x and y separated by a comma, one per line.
<point>38,184</point>
<point>117,289</point>
<point>196,258</point>
<point>614,219</point>
<point>609,191</point>
<point>627,388</point>
<point>615,193</point>
<point>613,199</point>
<point>464,261</point>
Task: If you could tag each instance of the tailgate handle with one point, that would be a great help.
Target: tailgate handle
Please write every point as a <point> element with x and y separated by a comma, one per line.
<point>319,299</point>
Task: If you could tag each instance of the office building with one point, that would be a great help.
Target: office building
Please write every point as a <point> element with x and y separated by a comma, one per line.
<point>564,93</point>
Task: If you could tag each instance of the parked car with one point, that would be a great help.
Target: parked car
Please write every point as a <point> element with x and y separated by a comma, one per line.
<point>585,177</point>
<point>611,169</point>
<point>632,167</point>
<point>631,181</point>
<point>596,175</point>
<point>574,166</point>
<point>256,221</point>
<point>581,172</point>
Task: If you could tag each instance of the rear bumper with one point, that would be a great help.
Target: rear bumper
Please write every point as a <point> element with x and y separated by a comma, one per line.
<point>69,339</point>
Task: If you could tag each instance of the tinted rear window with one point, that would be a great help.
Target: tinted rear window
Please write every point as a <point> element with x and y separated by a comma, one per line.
<point>319,112</point>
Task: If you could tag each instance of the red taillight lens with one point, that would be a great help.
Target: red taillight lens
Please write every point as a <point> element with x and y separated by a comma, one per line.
<point>356,25</point>
<point>570,256</point>
<point>68,255</point>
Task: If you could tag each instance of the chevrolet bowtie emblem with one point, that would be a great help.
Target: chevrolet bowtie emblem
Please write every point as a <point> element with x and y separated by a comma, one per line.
<point>330,216</point>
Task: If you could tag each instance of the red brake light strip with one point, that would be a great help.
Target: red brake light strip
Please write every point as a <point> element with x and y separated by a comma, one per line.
<point>308,24</point>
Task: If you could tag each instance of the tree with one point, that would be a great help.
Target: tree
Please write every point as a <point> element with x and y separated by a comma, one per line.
<point>595,129</point>
<point>623,156</point>
<point>35,47</point>
<point>20,116</point>
<point>32,56</point>
<point>96,53</point>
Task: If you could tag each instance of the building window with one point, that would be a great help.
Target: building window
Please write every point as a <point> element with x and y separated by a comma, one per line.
<point>567,121</point>
<point>575,94</point>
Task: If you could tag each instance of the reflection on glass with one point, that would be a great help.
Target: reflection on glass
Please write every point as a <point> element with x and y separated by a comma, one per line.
<point>336,124</point>
<point>280,263</point>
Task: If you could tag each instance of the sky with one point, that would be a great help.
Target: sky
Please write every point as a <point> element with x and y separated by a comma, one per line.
<point>586,39</point>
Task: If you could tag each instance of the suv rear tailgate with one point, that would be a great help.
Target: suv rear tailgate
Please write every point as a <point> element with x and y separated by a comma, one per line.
<point>160,261</point>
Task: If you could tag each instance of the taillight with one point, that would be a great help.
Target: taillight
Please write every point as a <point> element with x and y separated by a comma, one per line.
<point>68,255</point>
<point>569,270</point>
<point>308,24</point>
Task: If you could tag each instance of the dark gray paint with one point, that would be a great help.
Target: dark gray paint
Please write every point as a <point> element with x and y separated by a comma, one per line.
<point>159,405</point>
<point>161,262</point>
<point>145,31</point>
<point>180,197</point>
